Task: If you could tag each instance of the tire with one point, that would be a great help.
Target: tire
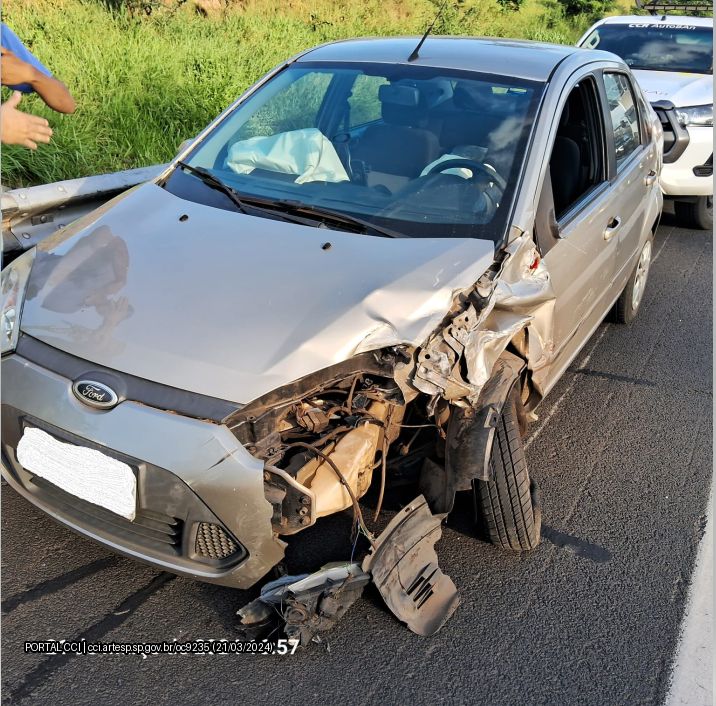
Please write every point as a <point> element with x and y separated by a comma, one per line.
<point>508,506</point>
<point>627,306</point>
<point>696,214</point>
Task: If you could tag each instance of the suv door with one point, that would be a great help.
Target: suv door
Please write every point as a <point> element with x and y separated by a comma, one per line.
<point>582,257</point>
<point>632,165</point>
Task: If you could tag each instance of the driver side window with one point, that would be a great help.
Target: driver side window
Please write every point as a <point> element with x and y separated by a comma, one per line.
<point>576,164</point>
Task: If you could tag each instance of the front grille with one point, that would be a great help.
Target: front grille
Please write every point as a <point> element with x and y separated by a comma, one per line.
<point>151,529</point>
<point>676,136</point>
<point>213,542</point>
<point>151,394</point>
<point>668,130</point>
<point>168,510</point>
<point>706,169</point>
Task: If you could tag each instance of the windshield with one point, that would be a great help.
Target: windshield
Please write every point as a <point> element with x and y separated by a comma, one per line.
<point>657,47</point>
<point>415,151</point>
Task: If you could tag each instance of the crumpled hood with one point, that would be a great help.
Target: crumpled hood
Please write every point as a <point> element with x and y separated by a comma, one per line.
<point>682,89</point>
<point>229,305</point>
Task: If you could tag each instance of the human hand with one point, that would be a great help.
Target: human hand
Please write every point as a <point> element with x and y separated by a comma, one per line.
<point>14,71</point>
<point>18,128</point>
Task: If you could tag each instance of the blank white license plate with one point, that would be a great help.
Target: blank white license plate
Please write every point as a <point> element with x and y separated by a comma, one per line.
<point>85,473</point>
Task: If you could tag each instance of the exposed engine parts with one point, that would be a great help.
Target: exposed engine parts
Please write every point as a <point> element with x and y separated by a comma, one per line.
<point>320,449</point>
<point>431,409</point>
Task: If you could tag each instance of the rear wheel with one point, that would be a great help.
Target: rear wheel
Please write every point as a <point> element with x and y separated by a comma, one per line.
<point>508,505</point>
<point>696,214</point>
<point>627,306</point>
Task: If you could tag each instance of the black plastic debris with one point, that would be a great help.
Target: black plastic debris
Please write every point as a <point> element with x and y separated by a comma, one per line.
<point>305,606</point>
<point>405,569</point>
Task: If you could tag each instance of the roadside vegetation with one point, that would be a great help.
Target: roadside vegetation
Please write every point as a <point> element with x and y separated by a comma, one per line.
<point>147,75</point>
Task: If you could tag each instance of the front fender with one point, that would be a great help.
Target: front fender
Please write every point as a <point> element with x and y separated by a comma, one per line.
<point>470,434</point>
<point>472,429</point>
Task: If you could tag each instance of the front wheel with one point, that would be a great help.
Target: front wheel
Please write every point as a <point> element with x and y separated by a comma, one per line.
<point>696,214</point>
<point>508,504</point>
<point>627,306</point>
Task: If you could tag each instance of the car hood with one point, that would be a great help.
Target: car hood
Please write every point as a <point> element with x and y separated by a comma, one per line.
<point>230,305</point>
<point>681,89</point>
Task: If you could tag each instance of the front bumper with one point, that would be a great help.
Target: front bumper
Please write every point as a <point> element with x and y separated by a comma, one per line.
<point>194,479</point>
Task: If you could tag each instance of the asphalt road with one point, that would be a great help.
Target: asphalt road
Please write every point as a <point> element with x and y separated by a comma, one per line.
<point>622,453</point>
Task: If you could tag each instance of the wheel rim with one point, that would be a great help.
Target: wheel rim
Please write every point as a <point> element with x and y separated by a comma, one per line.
<point>642,272</point>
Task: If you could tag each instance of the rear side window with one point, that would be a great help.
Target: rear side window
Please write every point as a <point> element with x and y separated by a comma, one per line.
<point>624,115</point>
<point>364,102</point>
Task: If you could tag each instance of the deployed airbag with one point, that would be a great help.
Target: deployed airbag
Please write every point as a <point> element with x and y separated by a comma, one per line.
<point>307,153</point>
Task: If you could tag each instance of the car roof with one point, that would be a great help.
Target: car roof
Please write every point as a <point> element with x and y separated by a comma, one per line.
<point>533,61</point>
<point>658,20</point>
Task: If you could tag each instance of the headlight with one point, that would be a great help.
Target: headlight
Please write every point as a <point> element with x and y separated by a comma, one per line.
<point>698,115</point>
<point>13,282</point>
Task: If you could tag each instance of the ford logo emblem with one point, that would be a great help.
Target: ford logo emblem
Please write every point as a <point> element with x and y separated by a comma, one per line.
<point>95,394</point>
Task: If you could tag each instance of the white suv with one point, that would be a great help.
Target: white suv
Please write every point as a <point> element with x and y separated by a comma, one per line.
<point>672,59</point>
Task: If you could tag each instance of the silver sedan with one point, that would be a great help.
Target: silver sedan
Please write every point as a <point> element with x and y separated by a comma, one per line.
<point>366,273</point>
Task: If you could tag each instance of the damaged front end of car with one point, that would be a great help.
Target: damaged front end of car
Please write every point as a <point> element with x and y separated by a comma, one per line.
<point>321,438</point>
<point>424,412</point>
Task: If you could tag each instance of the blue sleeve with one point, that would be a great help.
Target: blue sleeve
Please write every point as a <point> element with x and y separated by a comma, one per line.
<point>10,41</point>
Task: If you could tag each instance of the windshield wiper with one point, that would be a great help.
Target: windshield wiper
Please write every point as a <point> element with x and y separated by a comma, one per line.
<point>211,180</point>
<point>240,200</point>
<point>337,217</point>
<point>285,208</point>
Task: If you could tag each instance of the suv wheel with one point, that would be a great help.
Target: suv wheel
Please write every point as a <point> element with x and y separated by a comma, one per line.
<point>627,306</point>
<point>508,505</point>
<point>696,214</point>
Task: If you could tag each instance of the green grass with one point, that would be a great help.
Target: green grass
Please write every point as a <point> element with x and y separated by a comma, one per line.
<point>145,83</point>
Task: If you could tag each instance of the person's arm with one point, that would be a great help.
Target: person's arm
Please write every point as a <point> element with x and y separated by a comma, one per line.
<point>15,72</point>
<point>54,93</point>
<point>18,128</point>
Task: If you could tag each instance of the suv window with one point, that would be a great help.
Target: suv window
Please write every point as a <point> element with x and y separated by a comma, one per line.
<point>624,115</point>
<point>576,165</point>
<point>657,46</point>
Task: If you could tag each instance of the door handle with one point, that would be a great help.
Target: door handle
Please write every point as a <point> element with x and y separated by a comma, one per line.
<point>650,178</point>
<point>612,227</point>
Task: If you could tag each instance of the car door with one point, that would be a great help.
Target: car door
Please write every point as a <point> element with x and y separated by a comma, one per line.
<point>632,163</point>
<point>582,259</point>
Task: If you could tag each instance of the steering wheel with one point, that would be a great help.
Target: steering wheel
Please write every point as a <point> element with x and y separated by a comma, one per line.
<point>477,169</point>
